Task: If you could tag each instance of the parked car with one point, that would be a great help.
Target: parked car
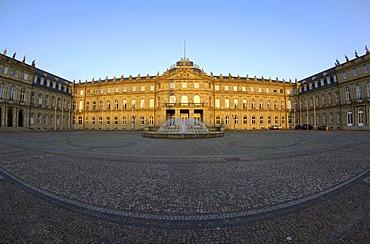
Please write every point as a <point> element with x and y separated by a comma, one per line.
<point>274,127</point>
<point>323,127</point>
<point>307,127</point>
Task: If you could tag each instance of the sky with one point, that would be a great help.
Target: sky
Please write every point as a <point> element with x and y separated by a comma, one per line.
<point>81,40</point>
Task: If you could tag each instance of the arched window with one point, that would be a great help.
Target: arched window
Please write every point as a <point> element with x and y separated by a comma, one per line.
<point>39,119</point>
<point>11,94</point>
<point>360,117</point>
<point>245,119</point>
<point>40,100</point>
<point>184,100</point>
<point>22,98</point>
<point>227,120</point>
<point>196,100</point>
<point>349,118</point>
<point>218,120</point>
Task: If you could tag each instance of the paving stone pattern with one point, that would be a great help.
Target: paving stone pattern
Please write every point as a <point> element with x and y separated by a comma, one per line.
<point>255,186</point>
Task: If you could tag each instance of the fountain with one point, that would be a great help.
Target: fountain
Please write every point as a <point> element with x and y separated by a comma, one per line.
<point>183,128</point>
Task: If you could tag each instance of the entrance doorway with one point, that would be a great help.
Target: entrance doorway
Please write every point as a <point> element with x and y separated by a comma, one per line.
<point>198,115</point>
<point>10,117</point>
<point>20,118</point>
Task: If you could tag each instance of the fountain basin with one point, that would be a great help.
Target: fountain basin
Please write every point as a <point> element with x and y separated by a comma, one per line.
<point>183,128</point>
<point>214,134</point>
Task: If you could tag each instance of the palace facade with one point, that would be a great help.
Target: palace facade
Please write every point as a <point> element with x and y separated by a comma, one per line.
<point>183,91</point>
<point>31,98</point>
<point>337,98</point>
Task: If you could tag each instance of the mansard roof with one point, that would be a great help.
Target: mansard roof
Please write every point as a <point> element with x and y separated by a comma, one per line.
<point>49,76</point>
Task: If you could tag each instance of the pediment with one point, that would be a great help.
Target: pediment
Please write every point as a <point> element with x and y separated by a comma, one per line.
<point>184,75</point>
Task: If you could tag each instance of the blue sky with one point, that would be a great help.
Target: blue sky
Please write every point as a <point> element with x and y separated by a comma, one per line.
<point>86,39</point>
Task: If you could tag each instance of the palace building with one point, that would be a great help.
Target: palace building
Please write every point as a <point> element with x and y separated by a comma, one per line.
<point>337,98</point>
<point>31,98</point>
<point>183,91</point>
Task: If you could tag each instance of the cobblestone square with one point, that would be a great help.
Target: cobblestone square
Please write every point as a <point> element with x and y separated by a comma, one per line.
<point>250,186</point>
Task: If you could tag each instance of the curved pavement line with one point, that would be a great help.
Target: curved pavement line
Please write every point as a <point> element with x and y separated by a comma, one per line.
<point>180,217</point>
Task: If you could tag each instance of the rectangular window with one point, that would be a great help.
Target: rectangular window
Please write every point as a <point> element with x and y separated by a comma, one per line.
<point>1,91</point>
<point>355,72</point>
<point>217,103</point>
<point>358,93</point>
<point>345,75</point>
<point>101,90</point>
<point>172,85</point>
<point>348,95</point>
<point>227,103</point>
<point>5,70</point>
<point>226,88</point>
<point>365,68</point>
<point>133,88</point>
<point>109,90</point>
<point>142,103</point>
<point>151,103</point>
<point>368,90</point>
<point>125,89</point>
<point>196,84</point>
<point>151,88</point>
<point>25,76</point>
<point>252,89</point>
<point>236,88</point>
<point>184,85</point>
<point>259,89</point>
<point>217,87</point>
<point>244,89</point>
<point>116,90</point>
<point>142,88</point>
